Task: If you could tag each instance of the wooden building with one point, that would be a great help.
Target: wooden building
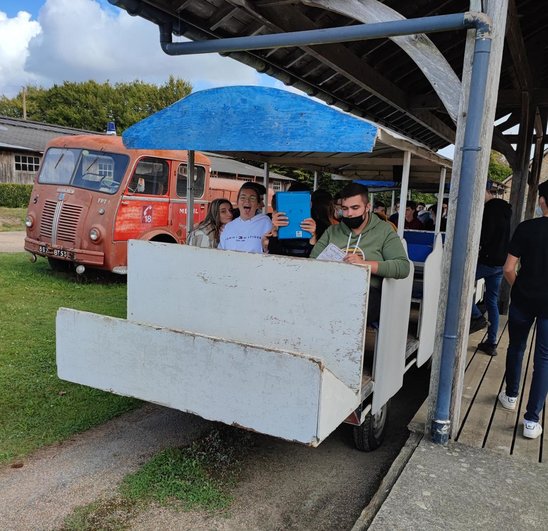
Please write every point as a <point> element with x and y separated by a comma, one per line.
<point>23,142</point>
<point>22,145</point>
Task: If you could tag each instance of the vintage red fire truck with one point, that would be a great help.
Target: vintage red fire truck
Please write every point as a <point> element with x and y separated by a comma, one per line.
<point>92,195</point>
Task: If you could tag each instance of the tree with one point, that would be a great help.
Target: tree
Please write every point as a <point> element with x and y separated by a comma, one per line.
<point>499,168</point>
<point>90,105</point>
<point>307,177</point>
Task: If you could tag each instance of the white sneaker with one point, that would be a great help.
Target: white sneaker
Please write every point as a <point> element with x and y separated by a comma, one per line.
<point>531,429</point>
<point>507,402</point>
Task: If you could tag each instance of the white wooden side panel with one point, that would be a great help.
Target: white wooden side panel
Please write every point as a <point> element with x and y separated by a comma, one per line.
<point>430,301</point>
<point>272,392</point>
<point>389,363</point>
<point>337,401</point>
<point>290,304</point>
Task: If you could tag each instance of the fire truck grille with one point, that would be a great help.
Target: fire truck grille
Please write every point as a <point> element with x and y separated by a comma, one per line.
<point>59,222</point>
<point>68,223</point>
<point>48,214</point>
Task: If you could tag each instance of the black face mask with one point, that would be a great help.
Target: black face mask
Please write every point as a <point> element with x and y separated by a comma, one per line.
<point>352,223</point>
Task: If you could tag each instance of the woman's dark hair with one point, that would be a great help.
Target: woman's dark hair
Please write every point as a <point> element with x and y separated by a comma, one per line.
<point>212,221</point>
<point>322,211</point>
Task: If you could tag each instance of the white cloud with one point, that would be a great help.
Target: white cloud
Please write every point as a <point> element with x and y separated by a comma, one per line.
<point>77,40</point>
<point>15,35</point>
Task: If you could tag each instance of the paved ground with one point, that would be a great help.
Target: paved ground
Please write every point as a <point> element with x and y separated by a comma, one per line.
<point>12,242</point>
<point>463,488</point>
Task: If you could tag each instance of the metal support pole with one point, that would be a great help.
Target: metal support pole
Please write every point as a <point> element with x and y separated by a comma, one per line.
<point>190,193</point>
<point>265,182</point>
<point>356,32</point>
<point>441,189</point>
<point>403,191</point>
<point>315,180</point>
<point>441,423</point>
<point>393,202</point>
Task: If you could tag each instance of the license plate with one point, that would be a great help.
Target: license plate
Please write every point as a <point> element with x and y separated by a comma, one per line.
<point>61,253</point>
<point>56,253</point>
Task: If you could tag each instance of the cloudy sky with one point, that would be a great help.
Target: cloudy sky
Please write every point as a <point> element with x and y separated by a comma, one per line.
<point>43,42</point>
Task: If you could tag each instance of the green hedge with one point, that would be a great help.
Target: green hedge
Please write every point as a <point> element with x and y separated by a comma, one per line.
<point>15,195</point>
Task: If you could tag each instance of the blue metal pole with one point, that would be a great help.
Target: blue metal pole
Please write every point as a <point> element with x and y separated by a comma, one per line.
<point>320,36</point>
<point>441,423</point>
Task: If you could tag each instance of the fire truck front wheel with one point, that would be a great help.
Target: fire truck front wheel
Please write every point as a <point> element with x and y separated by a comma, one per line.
<point>165,238</point>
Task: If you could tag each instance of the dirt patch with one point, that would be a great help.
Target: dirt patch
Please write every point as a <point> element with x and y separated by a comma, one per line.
<point>289,486</point>
<point>12,242</point>
<point>281,485</point>
<point>58,479</point>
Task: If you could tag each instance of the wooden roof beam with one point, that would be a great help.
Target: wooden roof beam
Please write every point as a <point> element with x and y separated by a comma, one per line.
<point>513,119</point>
<point>540,125</point>
<point>503,145</point>
<point>516,47</point>
<point>420,48</point>
<point>342,60</point>
<point>222,16</point>
<point>511,99</point>
<point>513,139</point>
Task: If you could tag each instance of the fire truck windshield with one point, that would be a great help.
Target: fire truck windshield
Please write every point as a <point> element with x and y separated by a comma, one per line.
<point>82,168</point>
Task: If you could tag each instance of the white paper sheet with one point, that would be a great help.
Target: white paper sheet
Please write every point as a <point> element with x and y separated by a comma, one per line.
<point>332,253</point>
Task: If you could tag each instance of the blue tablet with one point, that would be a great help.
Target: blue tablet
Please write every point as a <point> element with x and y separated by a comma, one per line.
<point>296,206</point>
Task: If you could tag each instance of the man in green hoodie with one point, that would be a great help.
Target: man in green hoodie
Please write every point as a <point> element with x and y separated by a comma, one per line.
<point>366,240</point>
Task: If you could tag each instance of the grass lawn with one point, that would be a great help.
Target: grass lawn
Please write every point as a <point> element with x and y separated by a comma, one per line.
<point>198,477</point>
<point>12,219</point>
<point>36,408</point>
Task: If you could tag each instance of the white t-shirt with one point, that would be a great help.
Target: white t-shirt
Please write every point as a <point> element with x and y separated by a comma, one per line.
<point>245,235</point>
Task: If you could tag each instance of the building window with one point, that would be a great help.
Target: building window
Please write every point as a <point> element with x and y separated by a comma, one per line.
<point>276,185</point>
<point>27,163</point>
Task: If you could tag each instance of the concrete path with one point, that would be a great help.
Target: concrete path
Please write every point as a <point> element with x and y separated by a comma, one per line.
<point>12,242</point>
<point>463,488</point>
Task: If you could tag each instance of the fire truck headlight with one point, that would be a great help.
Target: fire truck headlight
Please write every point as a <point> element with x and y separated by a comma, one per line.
<point>29,221</point>
<point>94,234</point>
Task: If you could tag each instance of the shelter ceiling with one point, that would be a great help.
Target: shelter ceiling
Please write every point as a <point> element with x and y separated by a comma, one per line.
<point>374,79</point>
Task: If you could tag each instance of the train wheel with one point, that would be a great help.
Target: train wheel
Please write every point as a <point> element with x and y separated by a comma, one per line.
<point>370,435</point>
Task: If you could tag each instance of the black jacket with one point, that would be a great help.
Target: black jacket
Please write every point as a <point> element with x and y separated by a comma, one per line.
<point>495,232</point>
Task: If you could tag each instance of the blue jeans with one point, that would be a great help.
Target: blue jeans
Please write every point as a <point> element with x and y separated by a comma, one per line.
<point>519,324</point>
<point>493,278</point>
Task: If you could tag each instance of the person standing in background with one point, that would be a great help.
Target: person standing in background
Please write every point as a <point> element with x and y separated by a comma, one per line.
<point>495,235</point>
<point>529,301</point>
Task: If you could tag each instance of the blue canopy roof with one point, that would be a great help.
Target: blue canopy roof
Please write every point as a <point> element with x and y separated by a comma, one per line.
<point>378,184</point>
<point>249,118</point>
